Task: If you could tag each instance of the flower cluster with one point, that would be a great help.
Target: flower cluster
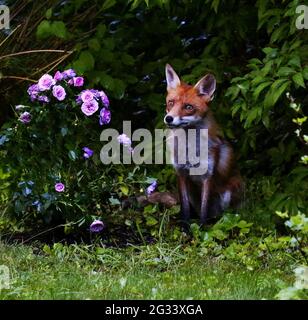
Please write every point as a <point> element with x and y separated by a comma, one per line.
<point>39,91</point>
<point>56,86</point>
<point>89,100</point>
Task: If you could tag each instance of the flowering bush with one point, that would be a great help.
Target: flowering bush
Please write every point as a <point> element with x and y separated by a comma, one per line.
<point>54,167</point>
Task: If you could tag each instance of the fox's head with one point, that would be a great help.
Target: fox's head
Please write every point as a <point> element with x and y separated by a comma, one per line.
<point>187,105</point>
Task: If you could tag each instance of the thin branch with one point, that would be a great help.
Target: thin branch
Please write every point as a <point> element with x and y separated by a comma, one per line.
<point>53,63</point>
<point>34,51</point>
<point>66,56</point>
<point>6,38</point>
<point>17,78</point>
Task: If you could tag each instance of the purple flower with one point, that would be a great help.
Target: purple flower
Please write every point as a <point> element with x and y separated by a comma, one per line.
<point>33,89</point>
<point>59,92</point>
<point>43,99</point>
<point>88,153</point>
<point>38,205</point>
<point>59,187</point>
<point>95,92</point>
<point>104,116</point>
<point>97,226</point>
<point>69,73</point>
<point>58,76</point>
<point>124,139</point>
<point>78,81</point>
<point>90,107</point>
<point>151,188</point>
<point>86,96</point>
<point>104,98</point>
<point>46,82</point>
<point>25,117</point>
<point>78,100</point>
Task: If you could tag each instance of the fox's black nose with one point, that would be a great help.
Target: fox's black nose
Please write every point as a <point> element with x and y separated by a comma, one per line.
<point>168,119</point>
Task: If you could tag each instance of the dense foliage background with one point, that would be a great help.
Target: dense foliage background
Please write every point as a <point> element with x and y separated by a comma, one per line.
<point>253,48</point>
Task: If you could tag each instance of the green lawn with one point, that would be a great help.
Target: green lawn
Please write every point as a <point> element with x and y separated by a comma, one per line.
<point>160,271</point>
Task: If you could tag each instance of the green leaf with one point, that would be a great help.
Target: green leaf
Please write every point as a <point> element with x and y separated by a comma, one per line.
<point>259,89</point>
<point>305,73</point>
<point>252,115</point>
<point>43,30</point>
<point>124,190</point>
<point>101,30</point>
<point>119,88</point>
<point>278,87</point>
<point>94,44</point>
<point>295,61</point>
<point>127,59</point>
<point>299,80</point>
<point>215,4</point>
<point>285,71</point>
<point>108,4</point>
<point>48,13</point>
<point>106,81</point>
<point>59,29</point>
<point>151,221</point>
<point>85,62</point>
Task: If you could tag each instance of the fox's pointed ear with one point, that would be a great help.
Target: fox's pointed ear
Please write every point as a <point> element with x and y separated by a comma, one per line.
<point>172,78</point>
<point>206,86</point>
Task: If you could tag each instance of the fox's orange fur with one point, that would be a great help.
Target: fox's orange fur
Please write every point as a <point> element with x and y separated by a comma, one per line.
<point>188,107</point>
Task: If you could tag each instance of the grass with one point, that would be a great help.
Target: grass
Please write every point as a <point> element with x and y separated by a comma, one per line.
<point>159,271</point>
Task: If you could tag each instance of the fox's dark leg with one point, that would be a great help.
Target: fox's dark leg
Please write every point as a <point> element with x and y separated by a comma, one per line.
<point>205,193</point>
<point>184,198</point>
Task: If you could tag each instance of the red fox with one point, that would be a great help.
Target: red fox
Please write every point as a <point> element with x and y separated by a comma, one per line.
<point>208,194</point>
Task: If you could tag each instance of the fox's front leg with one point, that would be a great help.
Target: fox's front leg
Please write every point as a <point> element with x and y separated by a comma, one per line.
<point>184,198</point>
<point>205,193</point>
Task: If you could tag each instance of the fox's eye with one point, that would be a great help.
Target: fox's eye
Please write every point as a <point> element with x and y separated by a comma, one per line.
<point>170,103</point>
<point>188,107</point>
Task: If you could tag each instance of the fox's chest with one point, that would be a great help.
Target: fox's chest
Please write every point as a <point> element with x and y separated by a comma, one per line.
<point>192,155</point>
